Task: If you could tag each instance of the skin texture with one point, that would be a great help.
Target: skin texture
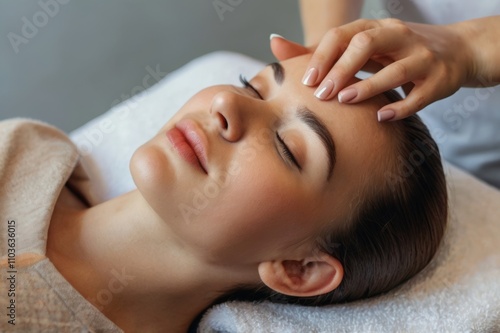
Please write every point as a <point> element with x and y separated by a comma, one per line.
<point>420,57</point>
<point>186,235</point>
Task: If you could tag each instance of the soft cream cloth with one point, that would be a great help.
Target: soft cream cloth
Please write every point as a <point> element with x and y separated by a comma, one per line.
<point>36,161</point>
<point>31,151</point>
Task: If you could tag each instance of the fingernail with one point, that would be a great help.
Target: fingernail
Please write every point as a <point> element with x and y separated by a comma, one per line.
<point>310,77</point>
<point>347,95</point>
<point>271,36</point>
<point>325,90</point>
<point>385,115</point>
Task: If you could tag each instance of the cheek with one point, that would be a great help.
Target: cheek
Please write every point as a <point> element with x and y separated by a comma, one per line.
<point>260,212</point>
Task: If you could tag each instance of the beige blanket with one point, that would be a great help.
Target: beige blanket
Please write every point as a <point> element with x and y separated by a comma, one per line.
<point>36,161</point>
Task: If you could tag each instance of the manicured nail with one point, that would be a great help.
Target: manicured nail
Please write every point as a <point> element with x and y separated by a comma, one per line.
<point>271,36</point>
<point>385,115</point>
<point>347,95</point>
<point>310,77</point>
<point>325,90</point>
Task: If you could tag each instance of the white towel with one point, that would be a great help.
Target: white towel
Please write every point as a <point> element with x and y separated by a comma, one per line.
<point>458,292</point>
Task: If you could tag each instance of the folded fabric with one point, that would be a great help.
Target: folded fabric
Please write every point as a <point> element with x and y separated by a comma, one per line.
<point>458,291</point>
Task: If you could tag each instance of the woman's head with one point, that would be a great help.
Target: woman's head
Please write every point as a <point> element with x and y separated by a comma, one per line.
<point>289,190</point>
<point>393,231</point>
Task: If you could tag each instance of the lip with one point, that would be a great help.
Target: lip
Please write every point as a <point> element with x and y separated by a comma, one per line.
<point>190,142</point>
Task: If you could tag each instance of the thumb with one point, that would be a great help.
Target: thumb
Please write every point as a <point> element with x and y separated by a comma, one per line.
<point>283,49</point>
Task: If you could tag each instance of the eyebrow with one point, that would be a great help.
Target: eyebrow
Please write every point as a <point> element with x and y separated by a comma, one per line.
<point>279,72</point>
<point>311,120</point>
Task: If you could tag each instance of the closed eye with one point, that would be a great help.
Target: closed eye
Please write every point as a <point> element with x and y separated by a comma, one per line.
<point>248,85</point>
<point>287,152</point>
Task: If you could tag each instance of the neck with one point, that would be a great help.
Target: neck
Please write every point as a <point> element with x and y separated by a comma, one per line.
<point>123,259</point>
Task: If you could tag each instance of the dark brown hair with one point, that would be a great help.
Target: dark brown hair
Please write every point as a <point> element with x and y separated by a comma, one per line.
<point>395,230</point>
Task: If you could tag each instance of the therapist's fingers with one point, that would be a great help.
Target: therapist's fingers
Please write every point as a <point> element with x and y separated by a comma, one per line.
<point>366,45</point>
<point>394,75</point>
<point>418,98</point>
<point>284,49</point>
<point>332,46</point>
<point>421,93</point>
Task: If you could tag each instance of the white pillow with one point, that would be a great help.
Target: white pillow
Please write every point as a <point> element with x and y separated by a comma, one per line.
<point>459,290</point>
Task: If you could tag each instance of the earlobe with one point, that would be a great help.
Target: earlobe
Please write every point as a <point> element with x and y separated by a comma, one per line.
<point>311,276</point>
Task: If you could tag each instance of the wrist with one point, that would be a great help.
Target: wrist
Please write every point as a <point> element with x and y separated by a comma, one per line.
<point>480,41</point>
<point>469,52</point>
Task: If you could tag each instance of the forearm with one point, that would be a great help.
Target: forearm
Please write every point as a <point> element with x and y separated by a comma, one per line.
<point>319,16</point>
<point>483,38</point>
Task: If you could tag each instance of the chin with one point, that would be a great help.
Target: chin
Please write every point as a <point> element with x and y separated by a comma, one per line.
<point>149,168</point>
<point>158,179</point>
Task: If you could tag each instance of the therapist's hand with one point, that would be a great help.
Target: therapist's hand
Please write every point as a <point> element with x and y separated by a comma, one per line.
<point>431,62</point>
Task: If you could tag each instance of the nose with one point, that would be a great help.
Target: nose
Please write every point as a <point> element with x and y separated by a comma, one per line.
<point>231,112</point>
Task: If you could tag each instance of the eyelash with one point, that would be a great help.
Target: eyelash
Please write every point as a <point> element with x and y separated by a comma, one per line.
<point>248,85</point>
<point>284,148</point>
<point>288,154</point>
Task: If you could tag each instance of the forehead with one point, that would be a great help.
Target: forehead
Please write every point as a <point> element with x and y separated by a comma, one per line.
<point>361,142</point>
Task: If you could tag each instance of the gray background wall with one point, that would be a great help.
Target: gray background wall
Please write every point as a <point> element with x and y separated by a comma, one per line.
<point>67,61</point>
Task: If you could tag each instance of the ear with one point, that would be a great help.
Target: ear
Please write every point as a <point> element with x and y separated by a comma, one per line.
<point>283,48</point>
<point>311,276</point>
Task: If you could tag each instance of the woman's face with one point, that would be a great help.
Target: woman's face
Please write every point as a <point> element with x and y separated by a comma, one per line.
<point>243,176</point>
